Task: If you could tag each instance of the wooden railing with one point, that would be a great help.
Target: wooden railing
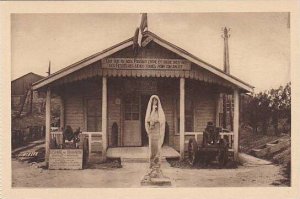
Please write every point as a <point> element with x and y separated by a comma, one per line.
<point>94,138</point>
<point>54,134</point>
<point>197,135</point>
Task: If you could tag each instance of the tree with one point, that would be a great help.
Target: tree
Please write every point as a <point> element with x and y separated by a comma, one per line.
<point>268,106</point>
<point>280,104</point>
<point>264,110</point>
<point>258,112</point>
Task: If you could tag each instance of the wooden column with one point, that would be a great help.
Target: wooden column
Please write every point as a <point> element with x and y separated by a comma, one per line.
<point>104,116</point>
<point>48,124</point>
<point>236,124</point>
<point>31,99</point>
<point>182,116</point>
<point>62,112</point>
<point>218,99</point>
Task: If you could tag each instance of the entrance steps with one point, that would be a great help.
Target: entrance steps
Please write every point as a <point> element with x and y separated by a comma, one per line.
<point>139,154</point>
<point>140,160</point>
<point>95,158</point>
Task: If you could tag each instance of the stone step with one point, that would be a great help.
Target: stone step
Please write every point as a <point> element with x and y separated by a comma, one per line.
<point>140,160</point>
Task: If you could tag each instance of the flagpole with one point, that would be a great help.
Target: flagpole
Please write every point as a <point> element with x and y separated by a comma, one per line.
<point>49,68</point>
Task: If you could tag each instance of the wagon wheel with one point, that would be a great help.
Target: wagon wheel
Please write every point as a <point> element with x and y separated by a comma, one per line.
<point>192,151</point>
<point>223,154</point>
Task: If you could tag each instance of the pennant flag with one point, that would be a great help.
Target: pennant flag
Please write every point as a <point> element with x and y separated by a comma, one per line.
<point>143,26</point>
<point>138,35</point>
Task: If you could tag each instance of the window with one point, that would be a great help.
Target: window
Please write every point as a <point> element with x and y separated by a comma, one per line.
<point>94,113</point>
<point>228,101</point>
<point>132,108</point>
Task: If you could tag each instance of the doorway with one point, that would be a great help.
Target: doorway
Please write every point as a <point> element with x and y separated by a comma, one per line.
<point>132,121</point>
<point>144,103</point>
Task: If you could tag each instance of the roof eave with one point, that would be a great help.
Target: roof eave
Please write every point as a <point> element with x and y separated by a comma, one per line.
<point>82,63</point>
<point>241,84</point>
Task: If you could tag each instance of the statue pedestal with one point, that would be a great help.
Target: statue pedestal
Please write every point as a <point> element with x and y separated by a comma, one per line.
<point>157,182</point>
<point>155,178</point>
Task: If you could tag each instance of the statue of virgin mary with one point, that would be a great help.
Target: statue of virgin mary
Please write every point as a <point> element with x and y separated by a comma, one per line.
<point>155,127</point>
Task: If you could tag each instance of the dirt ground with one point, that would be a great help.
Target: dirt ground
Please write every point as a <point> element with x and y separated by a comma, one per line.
<point>27,175</point>
<point>250,141</point>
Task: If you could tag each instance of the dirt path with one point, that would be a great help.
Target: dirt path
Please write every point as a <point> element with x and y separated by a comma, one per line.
<point>130,175</point>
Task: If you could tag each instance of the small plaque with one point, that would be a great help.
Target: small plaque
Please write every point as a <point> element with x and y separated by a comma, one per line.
<point>69,159</point>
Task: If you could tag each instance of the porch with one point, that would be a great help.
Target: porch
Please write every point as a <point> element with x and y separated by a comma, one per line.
<point>188,105</point>
<point>139,153</point>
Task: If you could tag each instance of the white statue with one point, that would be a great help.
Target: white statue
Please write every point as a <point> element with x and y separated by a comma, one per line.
<point>155,126</point>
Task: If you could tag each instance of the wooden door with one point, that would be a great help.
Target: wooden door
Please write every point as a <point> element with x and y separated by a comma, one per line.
<point>132,122</point>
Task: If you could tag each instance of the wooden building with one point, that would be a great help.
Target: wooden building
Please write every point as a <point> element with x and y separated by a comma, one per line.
<point>106,94</point>
<point>21,91</point>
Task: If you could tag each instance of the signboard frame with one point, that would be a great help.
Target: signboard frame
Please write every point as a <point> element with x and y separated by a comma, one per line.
<point>145,64</point>
<point>65,159</point>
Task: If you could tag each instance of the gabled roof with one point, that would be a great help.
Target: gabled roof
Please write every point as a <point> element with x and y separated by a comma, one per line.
<point>31,73</point>
<point>109,51</point>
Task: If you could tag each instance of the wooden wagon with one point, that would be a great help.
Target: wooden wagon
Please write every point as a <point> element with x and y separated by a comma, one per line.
<point>212,147</point>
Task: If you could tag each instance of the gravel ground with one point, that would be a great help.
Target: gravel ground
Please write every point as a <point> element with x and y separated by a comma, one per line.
<point>129,174</point>
<point>281,158</point>
<point>29,175</point>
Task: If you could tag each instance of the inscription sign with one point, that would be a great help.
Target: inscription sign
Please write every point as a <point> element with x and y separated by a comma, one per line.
<point>65,159</point>
<point>146,64</point>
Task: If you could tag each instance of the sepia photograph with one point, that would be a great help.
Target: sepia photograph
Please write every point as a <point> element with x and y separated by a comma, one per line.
<point>170,98</point>
<point>149,99</point>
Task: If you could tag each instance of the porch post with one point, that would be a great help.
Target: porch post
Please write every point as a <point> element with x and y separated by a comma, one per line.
<point>236,124</point>
<point>104,116</point>
<point>218,99</point>
<point>182,116</point>
<point>48,124</point>
<point>62,112</point>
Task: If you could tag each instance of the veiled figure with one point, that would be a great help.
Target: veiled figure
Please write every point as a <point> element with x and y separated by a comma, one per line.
<point>155,126</point>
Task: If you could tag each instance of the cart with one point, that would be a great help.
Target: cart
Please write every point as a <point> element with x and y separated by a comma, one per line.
<point>212,147</point>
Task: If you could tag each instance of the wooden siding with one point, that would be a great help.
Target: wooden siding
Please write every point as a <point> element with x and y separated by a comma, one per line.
<point>74,113</point>
<point>168,92</point>
<point>75,96</point>
<point>20,85</point>
<point>114,109</point>
<point>20,93</point>
<point>205,108</point>
<point>203,98</point>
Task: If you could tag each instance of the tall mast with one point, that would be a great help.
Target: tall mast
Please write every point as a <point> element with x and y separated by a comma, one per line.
<point>226,50</point>
<point>226,98</point>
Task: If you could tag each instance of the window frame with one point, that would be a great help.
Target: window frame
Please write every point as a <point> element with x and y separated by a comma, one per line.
<point>86,99</point>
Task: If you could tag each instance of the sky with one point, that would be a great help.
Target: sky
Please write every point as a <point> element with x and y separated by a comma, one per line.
<point>259,43</point>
